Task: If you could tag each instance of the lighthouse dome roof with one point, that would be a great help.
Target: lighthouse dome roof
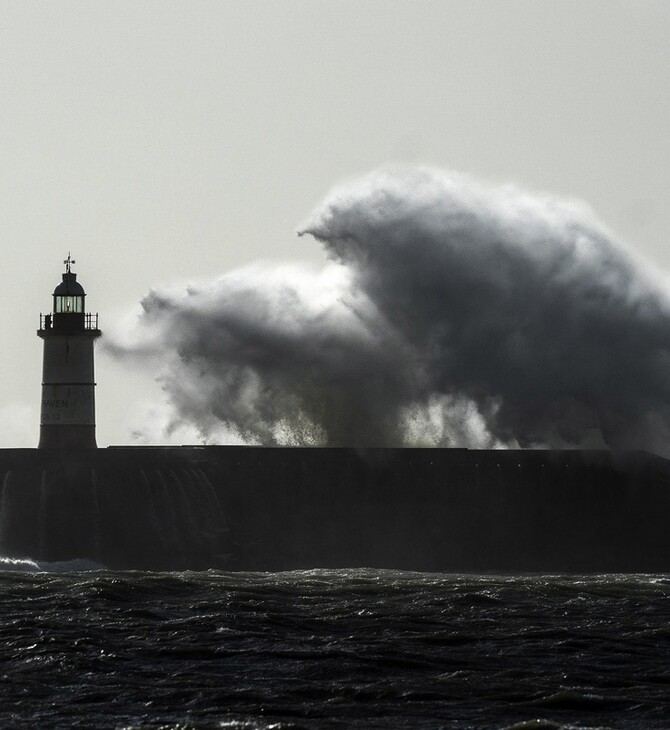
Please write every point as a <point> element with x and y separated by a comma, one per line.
<point>69,286</point>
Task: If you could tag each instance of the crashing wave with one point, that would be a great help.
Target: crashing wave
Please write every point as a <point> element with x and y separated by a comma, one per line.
<point>28,565</point>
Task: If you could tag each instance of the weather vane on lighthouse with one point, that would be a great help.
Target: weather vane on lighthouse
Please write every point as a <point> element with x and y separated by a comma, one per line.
<point>68,382</point>
<point>68,262</point>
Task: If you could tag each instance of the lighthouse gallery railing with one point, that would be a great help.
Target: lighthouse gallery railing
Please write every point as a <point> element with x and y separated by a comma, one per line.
<point>90,321</point>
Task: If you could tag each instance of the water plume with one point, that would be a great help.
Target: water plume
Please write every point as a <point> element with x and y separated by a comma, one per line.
<point>451,313</point>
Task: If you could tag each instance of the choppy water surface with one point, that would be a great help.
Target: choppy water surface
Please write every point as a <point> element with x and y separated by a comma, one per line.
<point>322,649</point>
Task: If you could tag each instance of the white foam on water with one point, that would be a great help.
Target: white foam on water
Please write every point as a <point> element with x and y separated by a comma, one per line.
<point>28,565</point>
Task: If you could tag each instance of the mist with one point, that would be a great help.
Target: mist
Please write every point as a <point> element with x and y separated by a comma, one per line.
<point>451,313</point>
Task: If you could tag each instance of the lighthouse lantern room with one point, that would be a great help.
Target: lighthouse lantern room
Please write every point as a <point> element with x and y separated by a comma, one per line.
<point>68,382</point>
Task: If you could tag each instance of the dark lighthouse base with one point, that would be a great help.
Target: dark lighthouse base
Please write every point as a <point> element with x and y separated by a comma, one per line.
<point>67,437</point>
<point>245,508</point>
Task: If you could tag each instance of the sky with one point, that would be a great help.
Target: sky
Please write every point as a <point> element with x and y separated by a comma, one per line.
<point>167,143</point>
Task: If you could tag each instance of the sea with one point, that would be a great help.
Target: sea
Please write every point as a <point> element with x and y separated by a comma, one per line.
<point>86,647</point>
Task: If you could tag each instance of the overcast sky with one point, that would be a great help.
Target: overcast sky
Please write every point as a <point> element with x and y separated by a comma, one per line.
<point>166,142</point>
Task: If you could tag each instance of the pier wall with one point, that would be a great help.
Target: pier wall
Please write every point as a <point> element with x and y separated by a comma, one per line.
<point>254,508</point>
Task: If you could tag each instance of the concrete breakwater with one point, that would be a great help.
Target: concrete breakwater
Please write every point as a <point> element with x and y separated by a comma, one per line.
<point>253,508</point>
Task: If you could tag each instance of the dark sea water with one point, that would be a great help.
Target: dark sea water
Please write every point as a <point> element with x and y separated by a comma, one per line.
<point>331,649</point>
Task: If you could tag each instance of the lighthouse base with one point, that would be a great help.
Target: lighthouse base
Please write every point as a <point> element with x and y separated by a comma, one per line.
<point>67,437</point>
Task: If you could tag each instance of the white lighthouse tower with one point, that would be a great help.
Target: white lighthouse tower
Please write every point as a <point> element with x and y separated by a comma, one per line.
<point>68,383</point>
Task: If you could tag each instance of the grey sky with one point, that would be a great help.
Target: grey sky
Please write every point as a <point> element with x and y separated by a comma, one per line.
<point>164,141</point>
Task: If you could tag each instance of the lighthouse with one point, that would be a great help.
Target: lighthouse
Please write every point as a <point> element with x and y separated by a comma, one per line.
<point>68,383</point>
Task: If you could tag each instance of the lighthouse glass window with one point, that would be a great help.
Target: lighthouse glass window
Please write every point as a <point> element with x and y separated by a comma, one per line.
<point>67,305</point>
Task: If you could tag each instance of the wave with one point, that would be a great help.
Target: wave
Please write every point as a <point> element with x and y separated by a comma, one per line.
<point>29,565</point>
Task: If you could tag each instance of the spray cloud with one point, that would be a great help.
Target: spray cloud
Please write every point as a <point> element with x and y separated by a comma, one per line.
<point>451,313</point>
